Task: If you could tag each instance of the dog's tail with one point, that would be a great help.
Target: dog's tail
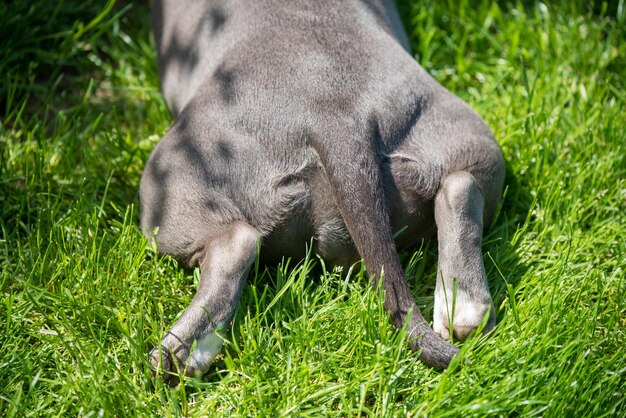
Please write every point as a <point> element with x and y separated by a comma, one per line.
<point>352,163</point>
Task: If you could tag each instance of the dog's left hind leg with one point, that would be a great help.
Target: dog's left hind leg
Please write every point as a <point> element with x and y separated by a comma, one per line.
<point>192,343</point>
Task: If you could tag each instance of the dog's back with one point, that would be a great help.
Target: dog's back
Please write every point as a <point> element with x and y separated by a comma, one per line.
<point>193,37</point>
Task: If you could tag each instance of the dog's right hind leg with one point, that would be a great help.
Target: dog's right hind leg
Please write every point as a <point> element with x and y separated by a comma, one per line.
<point>460,307</point>
<point>192,343</point>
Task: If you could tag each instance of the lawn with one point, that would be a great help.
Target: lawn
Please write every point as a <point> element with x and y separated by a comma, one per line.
<point>84,297</point>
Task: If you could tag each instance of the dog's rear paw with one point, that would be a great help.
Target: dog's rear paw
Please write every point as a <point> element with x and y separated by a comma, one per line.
<point>466,319</point>
<point>175,358</point>
<point>164,366</point>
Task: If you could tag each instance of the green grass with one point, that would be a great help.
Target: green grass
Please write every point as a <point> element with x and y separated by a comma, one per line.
<point>83,297</point>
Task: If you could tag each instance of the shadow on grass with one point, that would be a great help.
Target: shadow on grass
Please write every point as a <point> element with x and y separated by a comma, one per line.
<point>61,103</point>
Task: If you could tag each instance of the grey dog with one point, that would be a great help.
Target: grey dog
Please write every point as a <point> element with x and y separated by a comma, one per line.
<point>309,120</point>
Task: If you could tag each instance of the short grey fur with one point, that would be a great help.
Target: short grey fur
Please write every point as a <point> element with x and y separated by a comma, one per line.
<point>306,120</point>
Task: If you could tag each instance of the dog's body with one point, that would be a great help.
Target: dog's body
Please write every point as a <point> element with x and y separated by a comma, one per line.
<point>310,120</point>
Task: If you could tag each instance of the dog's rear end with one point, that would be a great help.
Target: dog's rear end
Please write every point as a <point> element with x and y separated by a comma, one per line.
<point>310,120</point>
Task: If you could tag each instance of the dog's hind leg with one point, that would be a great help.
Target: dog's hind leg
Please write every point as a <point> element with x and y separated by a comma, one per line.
<point>192,342</point>
<point>460,308</point>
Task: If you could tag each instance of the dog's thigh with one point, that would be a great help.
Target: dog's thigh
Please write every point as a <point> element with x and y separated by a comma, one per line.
<point>184,197</point>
